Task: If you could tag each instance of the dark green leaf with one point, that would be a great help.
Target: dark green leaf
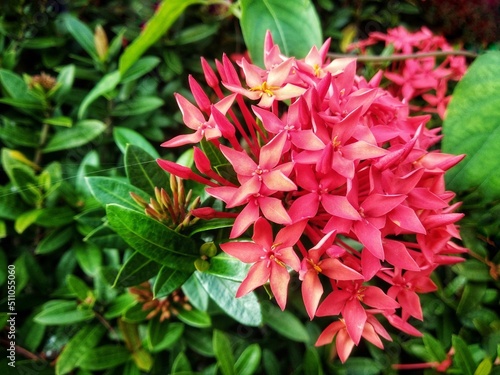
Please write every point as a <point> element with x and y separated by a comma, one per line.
<point>285,323</point>
<point>162,335</point>
<point>312,362</point>
<point>158,25</point>
<point>81,133</point>
<point>181,365</point>
<point>196,33</point>
<point>87,338</point>
<point>463,356</point>
<point>27,104</point>
<point>105,237</point>
<point>295,26</point>
<point>195,318</point>
<point>120,305</point>
<point>58,312</point>
<point>136,270</point>
<point>65,81</point>
<point>169,280</point>
<point>109,190</point>
<point>20,136</point>
<point>137,106</point>
<point>246,309</point>
<point>223,352</point>
<point>206,225</point>
<point>135,314</point>
<point>82,34</point>
<point>143,171</point>
<point>78,287</point>
<point>89,258</point>
<point>471,297</point>
<point>104,86</point>
<point>43,42</point>
<point>434,348</point>
<point>55,240</point>
<point>473,270</point>
<point>103,357</point>
<point>249,361</point>
<point>141,67</point>
<point>153,239</point>
<point>125,136</point>
<point>472,127</point>
<point>228,267</point>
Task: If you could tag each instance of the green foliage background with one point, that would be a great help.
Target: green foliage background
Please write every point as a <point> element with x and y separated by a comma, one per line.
<point>86,99</point>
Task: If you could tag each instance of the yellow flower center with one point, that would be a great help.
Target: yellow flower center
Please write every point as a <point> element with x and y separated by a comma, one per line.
<point>265,89</point>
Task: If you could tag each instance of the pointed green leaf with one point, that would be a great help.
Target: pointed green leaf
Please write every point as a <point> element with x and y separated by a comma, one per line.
<point>58,312</point>
<point>164,17</point>
<point>141,67</point>
<point>181,365</point>
<point>228,267</point>
<point>109,190</point>
<point>104,86</point>
<point>104,357</point>
<point>195,318</point>
<point>55,240</point>
<point>120,305</point>
<point>285,323</point>
<point>246,309</point>
<point>143,171</point>
<point>85,339</point>
<point>169,280</point>
<point>434,348</point>
<point>162,335</point>
<point>295,26</point>
<point>196,294</point>
<point>125,136</point>
<point>59,121</point>
<point>484,367</point>
<point>136,270</point>
<point>82,34</point>
<point>81,133</point>
<point>249,360</point>
<point>472,127</point>
<point>153,239</point>
<point>65,81</point>
<point>463,356</point>
<point>78,287</point>
<point>223,352</point>
<point>137,106</point>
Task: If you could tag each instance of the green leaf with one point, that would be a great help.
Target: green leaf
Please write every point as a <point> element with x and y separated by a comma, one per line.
<point>104,86</point>
<point>89,258</point>
<point>82,34</point>
<point>59,312</point>
<point>195,318</point>
<point>141,67</point>
<point>104,357</point>
<point>295,26</point>
<point>472,127</point>
<point>312,362</point>
<point>85,339</point>
<point>249,360</point>
<point>125,136</point>
<point>159,24</point>
<point>109,190</point>
<point>434,348</point>
<point>206,225</point>
<point>79,288</point>
<point>246,309</point>
<point>81,133</point>
<point>42,42</point>
<point>169,280</point>
<point>3,231</point>
<point>55,240</point>
<point>25,220</point>
<point>285,323</point>
<point>484,367</point>
<point>473,270</point>
<point>471,297</point>
<point>65,81</point>
<point>143,171</point>
<point>195,293</point>
<point>223,352</point>
<point>59,121</point>
<point>162,335</point>
<point>137,106</point>
<point>120,305</point>
<point>181,365</point>
<point>153,239</point>
<point>16,88</point>
<point>463,356</point>
<point>136,270</point>
<point>228,267</point>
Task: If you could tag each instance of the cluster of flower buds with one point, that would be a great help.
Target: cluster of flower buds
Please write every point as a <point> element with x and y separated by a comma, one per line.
<point>426,77</point>
<point>334,182</point>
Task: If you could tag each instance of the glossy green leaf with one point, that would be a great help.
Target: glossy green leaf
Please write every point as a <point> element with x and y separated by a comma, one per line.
<point>26,219</point>
<point>136,270</point>
<point>169,280</point>
<point>434,348</point>
<point>104,357</point>
<point>15,87</point>
<point>196,294</point>
<point>125,136</point>
<point>195,318</point>
<point>181,365</point>
<point>143,171</point>
<point>162,335</point>
<point>109,190</point>
<point>295,26</point>
<point>223,352</point>
<point>84,340</point>
<point>120,305</point>
<point>65,81</point>
<point>137,106</point>
<point>59,121</point>
<point>81,133</point>
<point>82,34</point>
<point>484,367</point>
<point>285,323</point>
<point>472,127</point>
<point>79,288</point>
<point>312,362</point>
<point>59,312</point>
<point>105,237</point>
<point>249,360</point>
<point>141,67</point>
<point>153,239</point>
<point>89,258</point>
<point>246,309</point>
<point>463,356</point>
<point>228,267</point>
<point>103,87</point>
<point>55,240</point>
<point>206,225</point>
<point>159,24</point>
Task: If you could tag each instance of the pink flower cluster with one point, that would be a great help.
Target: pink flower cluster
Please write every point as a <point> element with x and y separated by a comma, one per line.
<point>336,183</point>
<point>424,77</point>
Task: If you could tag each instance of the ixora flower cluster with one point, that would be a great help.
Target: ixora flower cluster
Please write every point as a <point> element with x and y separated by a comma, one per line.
<point>335,182</point>
<point>424,77</point>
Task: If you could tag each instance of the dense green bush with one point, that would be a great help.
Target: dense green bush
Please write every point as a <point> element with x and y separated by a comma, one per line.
<point>86,100</point>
